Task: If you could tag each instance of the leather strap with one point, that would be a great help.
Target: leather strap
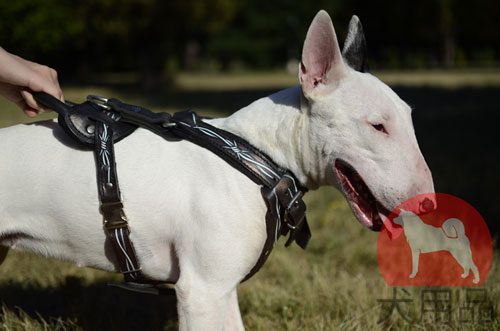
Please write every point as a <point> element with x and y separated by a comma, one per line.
<point>280,190</point>
<point>233,149</point>
<point>115,221</point>
<point>79,120</point>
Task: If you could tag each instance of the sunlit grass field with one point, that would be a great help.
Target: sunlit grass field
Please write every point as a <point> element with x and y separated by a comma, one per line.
<point>333,285</point>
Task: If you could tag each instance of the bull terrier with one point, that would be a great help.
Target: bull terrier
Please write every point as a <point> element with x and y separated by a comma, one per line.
<point>196,221</point>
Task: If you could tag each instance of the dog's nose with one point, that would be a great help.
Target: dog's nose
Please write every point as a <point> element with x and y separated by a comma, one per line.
<point>427,205</point>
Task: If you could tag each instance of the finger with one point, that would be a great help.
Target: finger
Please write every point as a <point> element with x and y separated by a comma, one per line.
<point>54,89</point>
<point>46,81</point>
<point>58,92</point>
<point>32,103</point>
<point>30,112</point>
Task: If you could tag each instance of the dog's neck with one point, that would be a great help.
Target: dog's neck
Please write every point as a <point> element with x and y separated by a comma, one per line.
<point>277,126</point>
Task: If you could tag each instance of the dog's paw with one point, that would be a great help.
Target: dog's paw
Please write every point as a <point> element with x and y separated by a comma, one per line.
<point>412,275</point>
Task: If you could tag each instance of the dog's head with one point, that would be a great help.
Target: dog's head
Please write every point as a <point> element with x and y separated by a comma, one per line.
<point>360,133</point>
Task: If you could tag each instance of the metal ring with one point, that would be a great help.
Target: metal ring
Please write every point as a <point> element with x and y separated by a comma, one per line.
<point>99,101</point>
<point>92,97</point>
<point>169,124</point>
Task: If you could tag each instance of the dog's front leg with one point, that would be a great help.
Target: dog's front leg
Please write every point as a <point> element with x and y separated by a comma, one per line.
<point>233,320</point>
<point>200,305</point>
<point>415,253</point>
<point>3,253</point>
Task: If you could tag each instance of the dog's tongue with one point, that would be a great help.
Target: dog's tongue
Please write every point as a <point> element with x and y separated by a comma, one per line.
<point>393,230</point>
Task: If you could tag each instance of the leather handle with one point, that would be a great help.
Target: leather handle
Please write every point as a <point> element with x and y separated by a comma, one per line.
<point>136,114</point>
<point>156,122</point>
<point>51,102</point>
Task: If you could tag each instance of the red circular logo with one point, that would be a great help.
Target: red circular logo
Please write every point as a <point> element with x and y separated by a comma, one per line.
<point>434,240</point>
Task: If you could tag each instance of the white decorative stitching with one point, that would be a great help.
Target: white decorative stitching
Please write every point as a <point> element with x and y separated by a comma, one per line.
<point>293,181</point>
<point>278,224</point>
<point>130,266</point>
<point>104,153</point>
<point>245,155</point>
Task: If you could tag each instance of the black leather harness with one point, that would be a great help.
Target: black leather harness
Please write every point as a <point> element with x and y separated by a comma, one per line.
<point>98,123</point>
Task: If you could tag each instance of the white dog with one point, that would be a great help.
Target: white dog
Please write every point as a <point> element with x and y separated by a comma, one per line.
<point>424,238</point>
<point>194,219</point>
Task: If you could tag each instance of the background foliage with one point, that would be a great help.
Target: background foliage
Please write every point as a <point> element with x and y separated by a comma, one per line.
<point>156,37</point>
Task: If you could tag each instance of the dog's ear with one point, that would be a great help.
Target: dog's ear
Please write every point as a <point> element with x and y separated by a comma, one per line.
<point>354,51</point>
<point>322,63</point>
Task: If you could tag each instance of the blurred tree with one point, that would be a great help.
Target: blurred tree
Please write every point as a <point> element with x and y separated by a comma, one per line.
<point>154,32</point>
<point>447,34</point>
<point>155,37</point>
<point>37,28</point>
<point>110,34</point>
<point>265,33</point>
<point>477,26</point>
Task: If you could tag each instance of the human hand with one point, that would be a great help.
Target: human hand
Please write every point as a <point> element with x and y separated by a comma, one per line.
<point>19,78</point>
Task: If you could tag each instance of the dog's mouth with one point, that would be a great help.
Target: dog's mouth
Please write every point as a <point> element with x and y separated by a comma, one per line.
<point>367,209</point>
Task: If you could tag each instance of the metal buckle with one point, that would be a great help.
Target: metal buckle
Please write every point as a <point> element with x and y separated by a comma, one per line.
<point>295,201</point>
<point>108,208</point>
<point>113,225</point>
<point>99,101</point>
<point>291,227</point>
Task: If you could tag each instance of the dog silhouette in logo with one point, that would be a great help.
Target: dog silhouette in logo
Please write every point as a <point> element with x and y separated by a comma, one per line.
<point>424,238</point>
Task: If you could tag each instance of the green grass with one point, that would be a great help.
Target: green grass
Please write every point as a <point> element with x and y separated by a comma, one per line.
<point>333,285</point>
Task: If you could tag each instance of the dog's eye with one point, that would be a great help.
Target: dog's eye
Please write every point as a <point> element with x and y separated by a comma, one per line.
<point>380,127</point>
